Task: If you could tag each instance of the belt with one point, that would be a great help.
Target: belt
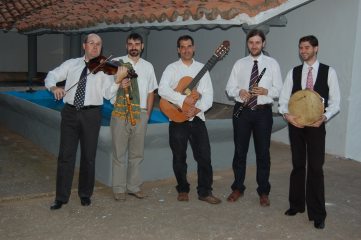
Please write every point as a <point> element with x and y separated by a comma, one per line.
<point>84,107</point>
<point>260,106</point>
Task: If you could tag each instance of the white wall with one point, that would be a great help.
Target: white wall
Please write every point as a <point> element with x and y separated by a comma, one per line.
<point>14,52</point>
<point>333,22</point>
<point>353,149</point>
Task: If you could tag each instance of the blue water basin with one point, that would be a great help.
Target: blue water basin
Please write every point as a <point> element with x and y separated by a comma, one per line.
<point>46,99</point>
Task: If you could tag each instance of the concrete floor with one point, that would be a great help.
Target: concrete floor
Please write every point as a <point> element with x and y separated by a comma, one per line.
<point>27,175</point>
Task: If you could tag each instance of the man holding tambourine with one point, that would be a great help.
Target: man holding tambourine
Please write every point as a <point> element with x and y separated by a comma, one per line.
<point>309,88</point>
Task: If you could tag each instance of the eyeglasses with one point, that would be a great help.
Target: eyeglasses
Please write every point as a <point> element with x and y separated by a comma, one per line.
<point>97,44</point>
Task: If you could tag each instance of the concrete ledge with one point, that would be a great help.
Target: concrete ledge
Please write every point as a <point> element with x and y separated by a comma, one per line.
<point>42,126</point>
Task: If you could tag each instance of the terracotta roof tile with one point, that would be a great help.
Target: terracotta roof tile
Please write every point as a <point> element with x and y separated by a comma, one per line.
<point>64,15</point>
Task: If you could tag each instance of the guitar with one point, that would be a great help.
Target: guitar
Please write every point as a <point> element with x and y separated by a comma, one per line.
<point>187,84</point>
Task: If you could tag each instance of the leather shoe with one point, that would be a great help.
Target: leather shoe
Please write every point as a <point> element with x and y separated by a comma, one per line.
<point>85,201</point>
<point>210,199</point>
<point>183,197</point>
<point>57,205</point>
<point>292,212</point>
<point>139,194</point>
<point>319,224</point>
<point>234,195</point>
<point>264,201</point>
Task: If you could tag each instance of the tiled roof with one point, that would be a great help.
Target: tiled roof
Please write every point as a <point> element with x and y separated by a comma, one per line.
<point>78,15</point>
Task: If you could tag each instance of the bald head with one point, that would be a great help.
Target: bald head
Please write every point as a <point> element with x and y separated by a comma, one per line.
<point>92,46</point>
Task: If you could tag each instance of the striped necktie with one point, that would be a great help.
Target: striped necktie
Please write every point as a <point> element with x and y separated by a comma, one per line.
<point>252,103</point>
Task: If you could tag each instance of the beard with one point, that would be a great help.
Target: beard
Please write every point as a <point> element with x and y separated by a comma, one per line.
<point>307,57</point>
<point>134,53</point>
<point>255,53</point>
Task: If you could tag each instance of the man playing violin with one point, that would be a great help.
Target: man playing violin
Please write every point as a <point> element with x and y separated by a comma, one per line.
<point>194,129</point>
<point>133,104</point>
<point>80,119</point>
<point>308,142</point>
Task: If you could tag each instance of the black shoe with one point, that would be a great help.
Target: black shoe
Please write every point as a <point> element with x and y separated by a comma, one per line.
<point>319,224</point>
<point>57,205</point>
<point>292,212</point>
<point>85,201</point>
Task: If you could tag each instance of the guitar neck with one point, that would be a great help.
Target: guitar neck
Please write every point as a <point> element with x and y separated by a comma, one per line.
<point>207,67</point>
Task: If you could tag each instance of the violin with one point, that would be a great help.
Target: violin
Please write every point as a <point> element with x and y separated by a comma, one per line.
<point>109,67</point>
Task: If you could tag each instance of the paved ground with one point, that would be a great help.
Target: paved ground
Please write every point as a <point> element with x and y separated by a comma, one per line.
<point>27,189</point>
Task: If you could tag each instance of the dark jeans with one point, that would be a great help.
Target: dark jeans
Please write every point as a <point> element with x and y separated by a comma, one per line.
<point>77,126</point>
<point>196,133</point>
<point>308,149</point>
<point>259,123</point>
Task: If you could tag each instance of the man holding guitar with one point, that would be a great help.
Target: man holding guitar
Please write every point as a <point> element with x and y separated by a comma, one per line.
<point>253,113</point>
<point>193,129</point>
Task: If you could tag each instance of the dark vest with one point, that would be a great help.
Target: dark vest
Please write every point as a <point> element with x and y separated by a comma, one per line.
<point>321,86</point>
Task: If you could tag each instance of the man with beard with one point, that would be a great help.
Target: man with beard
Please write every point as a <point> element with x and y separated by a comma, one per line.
<point>129,122</point>
<point>308,142</point>
<point>80,119</point>
<point>253,113</point>
<point>194,129</point>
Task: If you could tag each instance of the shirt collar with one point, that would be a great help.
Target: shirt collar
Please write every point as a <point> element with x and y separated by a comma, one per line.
<point>259,58</point>
<point>315,65</point>
<point>181,62</point>
<point>128,59</point>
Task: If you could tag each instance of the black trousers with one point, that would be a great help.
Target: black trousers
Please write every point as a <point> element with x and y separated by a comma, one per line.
<point>196,133</point>
<point>308,149</point>
<point>77,126</point>
<point>259,123</point>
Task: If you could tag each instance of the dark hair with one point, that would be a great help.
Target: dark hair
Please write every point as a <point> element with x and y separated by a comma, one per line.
<point>135,36</point>
<point>184,38</point>
<point>256,32</point>
<point>311,39</point>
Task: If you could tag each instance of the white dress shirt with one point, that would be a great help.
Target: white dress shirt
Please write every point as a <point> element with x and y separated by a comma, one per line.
<point>70,70</point>
<point>332,81</point>
<point>170,79</point>
<point>147,81</point>
<point>241,74</point>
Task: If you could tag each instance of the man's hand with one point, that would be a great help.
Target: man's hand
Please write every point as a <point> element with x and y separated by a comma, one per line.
<point>125,83</point>
<point>318,123</point>
<point>292,119</point>
<point>256,91</point>
<point>58,92</point>
<point>192,112</point>
<point>244,95</point>
<point>190,100</point>
<point>122,73</point>
<point>196,95</point>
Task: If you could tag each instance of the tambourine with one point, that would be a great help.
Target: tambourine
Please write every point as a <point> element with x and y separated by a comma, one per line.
<point>308,105</point>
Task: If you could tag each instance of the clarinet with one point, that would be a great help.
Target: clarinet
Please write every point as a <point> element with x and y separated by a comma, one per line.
<point>239,110</point>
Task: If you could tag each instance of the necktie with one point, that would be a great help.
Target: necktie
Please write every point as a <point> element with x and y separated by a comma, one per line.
<point>309,83</point>
<point>252,103</point>
<point>80,90</point>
